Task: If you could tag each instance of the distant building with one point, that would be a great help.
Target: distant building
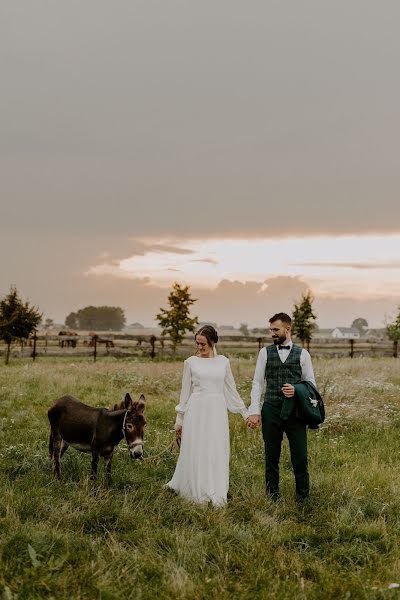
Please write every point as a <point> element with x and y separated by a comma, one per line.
<point>229,331</point>
<point>322,333</point>
<point>259,330</point>
<point>136,326</point>
<point>376,334</point>
<point>346,333</point>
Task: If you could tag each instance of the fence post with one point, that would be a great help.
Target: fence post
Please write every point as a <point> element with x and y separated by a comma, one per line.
<point>153,343</point>
<point>95,347</point>
<point>351,348</point>
<point>395,348</point>
<point>34,346</point>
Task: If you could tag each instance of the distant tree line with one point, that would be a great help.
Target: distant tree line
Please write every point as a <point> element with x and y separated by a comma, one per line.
<point>101,318</point>
<point>18,320</point>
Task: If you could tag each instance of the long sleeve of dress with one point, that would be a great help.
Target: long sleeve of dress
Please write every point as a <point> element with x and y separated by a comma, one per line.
<point>258,383</point>
<point>185,393</point>
<point>233,401</point>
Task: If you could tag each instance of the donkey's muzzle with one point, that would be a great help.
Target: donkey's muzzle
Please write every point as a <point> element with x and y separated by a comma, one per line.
<point>136,451</point>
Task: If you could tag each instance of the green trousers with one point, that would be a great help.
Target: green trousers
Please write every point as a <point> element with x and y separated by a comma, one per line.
<point>273,428</point>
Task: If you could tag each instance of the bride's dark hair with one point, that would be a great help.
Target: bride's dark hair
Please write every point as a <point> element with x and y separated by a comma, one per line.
<point>209,333</point>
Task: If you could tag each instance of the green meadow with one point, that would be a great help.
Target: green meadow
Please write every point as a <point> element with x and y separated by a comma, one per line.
<point>77,539</point>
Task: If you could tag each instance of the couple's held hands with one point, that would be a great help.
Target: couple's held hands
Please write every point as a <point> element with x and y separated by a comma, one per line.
<point>288,390</point>
<point>253,421</point>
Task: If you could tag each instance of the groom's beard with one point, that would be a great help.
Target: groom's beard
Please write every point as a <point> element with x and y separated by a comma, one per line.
<point>279,340</point>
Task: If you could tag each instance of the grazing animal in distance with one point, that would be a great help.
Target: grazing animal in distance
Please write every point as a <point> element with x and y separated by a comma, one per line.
<point>95,430</point>
<point>69,343</point>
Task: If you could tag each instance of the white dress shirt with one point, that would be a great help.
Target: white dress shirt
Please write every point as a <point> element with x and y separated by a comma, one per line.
<point>307,373</point>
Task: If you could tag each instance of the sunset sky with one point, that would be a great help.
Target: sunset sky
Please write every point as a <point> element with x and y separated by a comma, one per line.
<point>248,149</point>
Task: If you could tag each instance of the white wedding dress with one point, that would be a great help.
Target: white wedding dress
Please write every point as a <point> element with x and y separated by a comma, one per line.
<point>208,390</point>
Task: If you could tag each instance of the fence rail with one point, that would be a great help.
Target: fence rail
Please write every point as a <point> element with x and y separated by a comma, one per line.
<point>125,346</point>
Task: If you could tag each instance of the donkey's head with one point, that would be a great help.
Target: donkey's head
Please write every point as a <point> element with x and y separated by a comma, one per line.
<point>134,424</point>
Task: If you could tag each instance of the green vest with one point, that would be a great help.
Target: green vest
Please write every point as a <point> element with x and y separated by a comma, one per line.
<point>277,373</point>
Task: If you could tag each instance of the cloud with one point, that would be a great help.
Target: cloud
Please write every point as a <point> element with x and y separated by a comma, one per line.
<point>251,302</point>
<point>351,265</point>
<point>161,248</point>
<point>138,250</point>
<point>209,261</point>
<point>211,148</point>
<point>140,247</point>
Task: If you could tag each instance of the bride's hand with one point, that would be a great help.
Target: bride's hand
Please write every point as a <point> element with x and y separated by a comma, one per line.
<point>253,421</point>
<point>178,430</point>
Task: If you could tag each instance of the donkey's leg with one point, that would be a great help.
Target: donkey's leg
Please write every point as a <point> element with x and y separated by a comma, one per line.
<point>57,441</point>
<point>64,448</point>
<point>95,462</point>
<point>107,465</point>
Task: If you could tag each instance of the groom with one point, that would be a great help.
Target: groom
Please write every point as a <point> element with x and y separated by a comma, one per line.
<point>281,364</point>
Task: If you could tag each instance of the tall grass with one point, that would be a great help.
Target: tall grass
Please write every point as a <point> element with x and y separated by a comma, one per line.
<point>134,539</point>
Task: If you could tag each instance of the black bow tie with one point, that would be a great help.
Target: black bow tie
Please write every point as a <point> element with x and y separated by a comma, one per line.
<point>284,347</point>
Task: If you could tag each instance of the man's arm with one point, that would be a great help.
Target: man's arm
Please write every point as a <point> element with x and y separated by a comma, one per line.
<point>307,371</point>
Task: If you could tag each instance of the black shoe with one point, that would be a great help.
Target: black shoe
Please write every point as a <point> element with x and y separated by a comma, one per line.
<point>303,502</point>
<point>274,497</point>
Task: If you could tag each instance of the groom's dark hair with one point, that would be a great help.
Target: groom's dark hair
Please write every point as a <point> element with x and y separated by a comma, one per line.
<point>281,317</point>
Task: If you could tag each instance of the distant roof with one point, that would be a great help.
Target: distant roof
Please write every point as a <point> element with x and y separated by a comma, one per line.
<point>347,329</point>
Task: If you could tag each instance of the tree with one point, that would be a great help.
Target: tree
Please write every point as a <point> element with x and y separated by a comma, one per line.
<point>244,329</point>
<point>176,320</point>
<point>360,324</point>
<point>303,319</point>
<point>71,321</point>
<point>393,331</point>
<point>18,320</point>
<point>48,324</point>
<point>101,318</point>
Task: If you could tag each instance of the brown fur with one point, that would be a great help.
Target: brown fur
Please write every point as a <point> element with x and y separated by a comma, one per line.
<point>95,430</point>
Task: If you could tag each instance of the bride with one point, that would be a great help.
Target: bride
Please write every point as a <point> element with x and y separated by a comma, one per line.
<point>208,390</point>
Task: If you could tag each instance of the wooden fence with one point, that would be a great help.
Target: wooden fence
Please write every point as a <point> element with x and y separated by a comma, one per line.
<point>125,346</point>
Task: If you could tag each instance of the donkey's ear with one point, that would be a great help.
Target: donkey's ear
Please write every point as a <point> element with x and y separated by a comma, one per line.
<point>128,402</point>
<point>140,404</point>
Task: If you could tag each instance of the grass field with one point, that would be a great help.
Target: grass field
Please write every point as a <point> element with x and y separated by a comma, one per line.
<point>133,539</point>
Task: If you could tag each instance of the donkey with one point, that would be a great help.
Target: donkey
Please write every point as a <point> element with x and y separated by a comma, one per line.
<point>95,430</point>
